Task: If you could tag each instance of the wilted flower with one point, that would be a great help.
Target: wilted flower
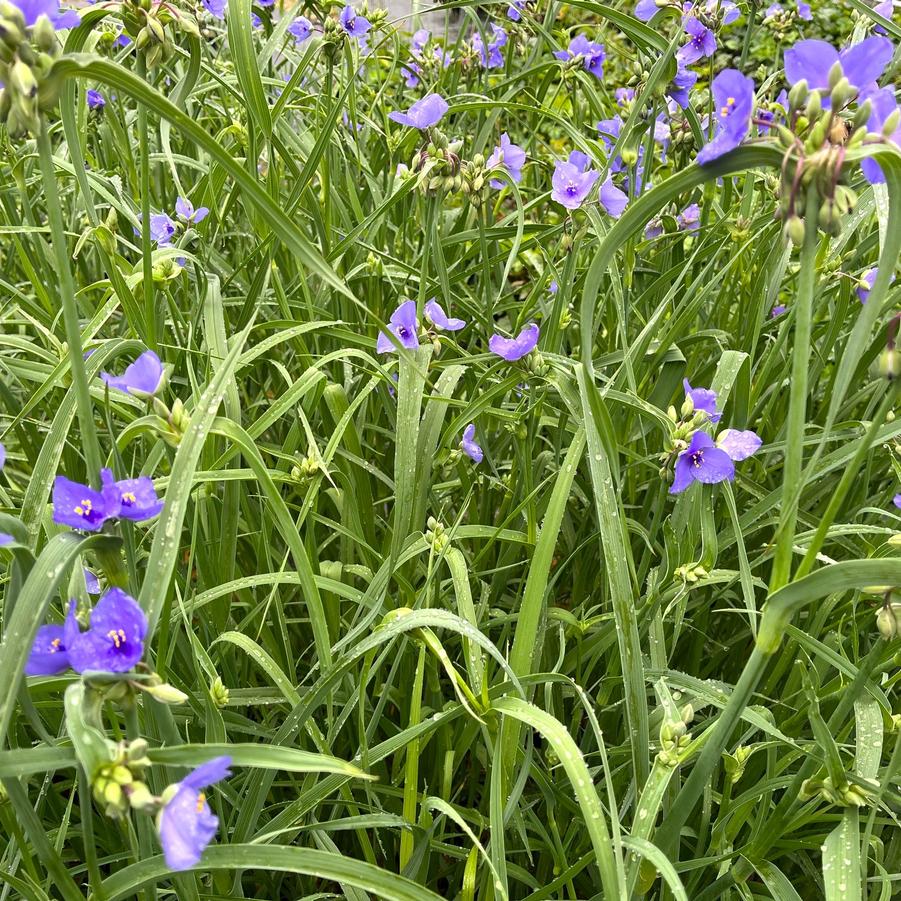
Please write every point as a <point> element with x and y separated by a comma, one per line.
<point>701,43</point>
<point>862,64</point>
<point>403,326</point>
<point>490,55</point>
<point>470,448</point>
<point>185,209</point>
<point>510,157</point>
<point>613,200</point>
<point>591,53</point>
<point>137,498</point>
<point>733,100</point>
<point>572,180</point>
<point>143,378</point>
<point>186,825</point>
<point>114,643</point>
<point>95,99</point>
<point>512,349</point>
<point>438,318</point>
<point>704,400</point>
<point>354,26</point>
<point>424,113</point>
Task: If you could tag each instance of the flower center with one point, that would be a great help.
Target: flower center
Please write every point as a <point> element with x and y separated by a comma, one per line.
<point>728,108</point>
<point>403,332</point>
<point>84,509</point>
<point>128,498</point>
<point>572,189</point>
<point>117,636</point>
<point>697,458</point>
<point>201,800</point>
<point>55,645</point>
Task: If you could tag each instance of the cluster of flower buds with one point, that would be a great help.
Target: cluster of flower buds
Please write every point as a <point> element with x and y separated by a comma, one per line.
<point>306,468</point>
<point>845,795</point>
<point>104,234</point>
<point>145,22</point>
<point>118,785</point>
<point>475,179</point>
<point>686,422</point>
<point>734,764</point>
<point>691,573</point>
<point>675,738</point>
<point>219,693</point>
<point>438,164</point>
<point>436,536</point>
<point>171,424</point>
<point>26,57</point>
<point>781,19</point>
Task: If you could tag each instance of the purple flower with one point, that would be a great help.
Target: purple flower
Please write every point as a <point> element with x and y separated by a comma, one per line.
<point>701,43</point>
<point>613,200</point>
<point>185,209</point>
<point>683,81</point>
<point>882,105</point>
<point>439,319</point>
<point>301,28</point>
<point>48,653</point>
<point>896,500</point>
<point>411,72</point>
<point>32,10</point>
<point>256,21</point>
<point>689,219</point>
<point>490,56</point>
<point>591,52</point>
<point>215,7</point>
<point>725,8</point>
<point>123,40</point>
<point>512,349</point>
<point>136,497</point>
<point>91,582</point>
<point>81,507</point>
<point>95,99</point>
<point>2,456</point>
<point>733,99</point>
<point>516,9</point>
<point>553,287</point>
<point>470,448</point>
<point>418,40</point>
<point>572,180</point>
<point>867,280</point>
<point>703,462</point>
<point>143,378</point>
<point>508,155</point>
<point>654,228</point>
<point>6,539</point>
<point>704,400</point>
<point>186,824</point>
<point>646,10</point>
<point>423,114</point>
<point>115,641</point>
<point>804,11</point>
<point>403,326</point>
<point>162,228</point>
<point>609,131</point>
<point>739,445</point>
<point>778,310</point>
<point>353,25</point>
<point>861,64</point>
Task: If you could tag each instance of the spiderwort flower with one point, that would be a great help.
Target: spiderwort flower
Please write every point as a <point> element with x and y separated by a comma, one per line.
<point>403,326</point>
<point>512,349</point>
<point>683,81</point>
<point>95,99</point>
<point>739,444</point>
<point>215,8</point>
<point>516,9</point>
<point>862,64</point>
<point>701,461</point>
<point>612,199</point>
<point>300,29</point>
<point>143,378</point>
<point>441,321</point>
<point>703,400</point>
<point>470,448</point>
<point>896,500</point>
<point>48,652</point>
<point>186,825</point>
<point>354,26</point>
<point>867,280</point>
<point>491,56</point>
<point>114,643</point>
<point>509,156</point>
<point>81,507</point>
<point>185,209</point>
<point>137,498</point>
<point>6,539</point>
<point>733,99</point>
<point>91,582</point>
<point>423,114</point>
<point>572,180</point>
<point>690,218</point>
<point>701,43</point>
<point>592,54</point>
<point>882,105</point>
<point>32,10</point>
<point>778,310</point>
<point>162,228</point>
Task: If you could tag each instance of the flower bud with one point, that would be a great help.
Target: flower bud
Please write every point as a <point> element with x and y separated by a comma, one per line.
<point>794,230</point>
<point>887,622</point>
<point>890,126</point>
<point>139,796</point>
<point>889,366</point>
<point>814,106</point>
<point>842,93</point>
<point>165,693</point>
<point>798,94</point>
<point>836,73</point>
<point>219,693</point>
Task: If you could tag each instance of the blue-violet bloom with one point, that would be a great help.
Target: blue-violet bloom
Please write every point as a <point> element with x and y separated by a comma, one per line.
<point>704,400</point>
<point>512,349</point>
<point>733,100</point>
<point>114,643</point>
<point>470,448</point>
<point>137,498</point>
<point>403,326</point>
<point>436,315</point>
<point>423,114</point>
<point>143,378</point>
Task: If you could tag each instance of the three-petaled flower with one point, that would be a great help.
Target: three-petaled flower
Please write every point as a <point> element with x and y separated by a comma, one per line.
<point>572,180</point>
<point>710,462</point>
<point>733,100</point>
<point>143,378</point>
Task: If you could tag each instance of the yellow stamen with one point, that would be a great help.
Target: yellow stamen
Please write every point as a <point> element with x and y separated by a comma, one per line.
<point>54,645</point>
<point>129,498</point>
<point>84,508</point>
<point>201,800</point>
<point>118,637</point>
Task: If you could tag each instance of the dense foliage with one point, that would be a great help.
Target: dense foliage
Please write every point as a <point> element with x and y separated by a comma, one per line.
<point>457,465</point>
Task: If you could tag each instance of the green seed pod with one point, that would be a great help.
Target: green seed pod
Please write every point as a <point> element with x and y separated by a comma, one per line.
<point>887,622</point>
<point>794,230</point>
<point>22,80</point>
<point>814,106</point>
<point>798,94</point>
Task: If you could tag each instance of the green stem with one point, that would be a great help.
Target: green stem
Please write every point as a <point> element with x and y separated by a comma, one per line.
<point>793,482</point>
<point>146,249</point>
<point>70,307</point>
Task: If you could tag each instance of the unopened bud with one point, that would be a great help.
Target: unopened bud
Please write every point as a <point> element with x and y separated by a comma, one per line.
<point>887,622</point>
<point>794,230</point>
<point>798,94</point>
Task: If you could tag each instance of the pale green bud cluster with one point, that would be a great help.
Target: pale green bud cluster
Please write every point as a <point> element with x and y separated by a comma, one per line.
<point>675,738</point>
<point>171,424</point>
<point>148,24</point>
<point>845,795</point>
<point>118,787</point>
<point>734,764</point>
<point>219,693</point>
<point>438,164</point>
<point>436,535</point>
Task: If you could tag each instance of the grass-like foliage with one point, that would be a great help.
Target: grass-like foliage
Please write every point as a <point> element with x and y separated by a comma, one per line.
<point>460,465</point>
